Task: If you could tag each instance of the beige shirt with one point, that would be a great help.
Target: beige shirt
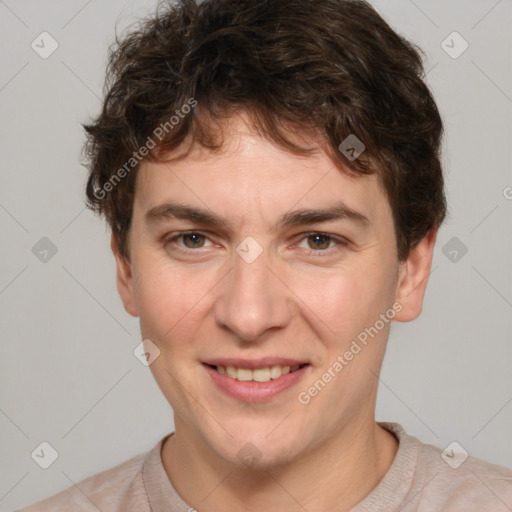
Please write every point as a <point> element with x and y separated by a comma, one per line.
<point>419,480</point>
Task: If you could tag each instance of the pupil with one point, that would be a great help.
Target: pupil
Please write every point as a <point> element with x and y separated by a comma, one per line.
<point>321,245</point>
<point>194,237</point>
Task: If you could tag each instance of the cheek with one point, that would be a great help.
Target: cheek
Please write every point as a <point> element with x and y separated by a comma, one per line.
<point>167,299</point>
<point>343,302</point>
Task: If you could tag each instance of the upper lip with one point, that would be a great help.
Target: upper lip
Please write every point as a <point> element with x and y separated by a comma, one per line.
<point>252,364</point>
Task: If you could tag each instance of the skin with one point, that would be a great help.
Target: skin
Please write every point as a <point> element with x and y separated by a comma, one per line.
<point>325,455</point>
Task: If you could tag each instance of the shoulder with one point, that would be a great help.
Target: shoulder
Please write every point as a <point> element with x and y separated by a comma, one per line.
<point>453,480</point>
<point>107,490</point>
<point>461,480</point>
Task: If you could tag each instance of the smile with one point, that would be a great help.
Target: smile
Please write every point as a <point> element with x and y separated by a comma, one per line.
<point>259,374</point>
<point>260,383</point>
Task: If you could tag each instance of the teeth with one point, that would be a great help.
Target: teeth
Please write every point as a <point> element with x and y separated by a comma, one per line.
<point>261,374</point>
<point>243,374</point>
<point>275,372</point>
<point>258,375</point>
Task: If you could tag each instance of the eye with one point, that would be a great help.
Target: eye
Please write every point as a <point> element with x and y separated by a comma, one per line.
<point>196,240</point>
<point>192,240</point>
<point>319,244</point>
<point>322,243</point>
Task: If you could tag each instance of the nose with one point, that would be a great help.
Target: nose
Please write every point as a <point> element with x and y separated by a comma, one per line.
<point>253,300</point>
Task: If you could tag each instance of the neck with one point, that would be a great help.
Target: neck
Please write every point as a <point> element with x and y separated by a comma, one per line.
<point>335,475</point>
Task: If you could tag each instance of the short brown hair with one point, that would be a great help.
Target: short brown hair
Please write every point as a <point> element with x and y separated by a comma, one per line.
<point>329,67</point>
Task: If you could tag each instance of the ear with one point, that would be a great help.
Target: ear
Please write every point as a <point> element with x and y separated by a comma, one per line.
<point>413,278</point>
<point>124,278</point>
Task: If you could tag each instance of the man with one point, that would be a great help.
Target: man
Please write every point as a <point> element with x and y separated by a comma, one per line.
<point>271,174</point>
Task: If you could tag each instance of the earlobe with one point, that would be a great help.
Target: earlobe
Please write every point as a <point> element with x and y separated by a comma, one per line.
<point>124,278</point>
<point>413,278</point>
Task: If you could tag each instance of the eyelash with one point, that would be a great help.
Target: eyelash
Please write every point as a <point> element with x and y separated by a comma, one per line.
<point>184,250</point>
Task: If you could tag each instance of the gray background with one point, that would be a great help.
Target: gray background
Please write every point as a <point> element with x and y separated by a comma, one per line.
<point>68,374</point>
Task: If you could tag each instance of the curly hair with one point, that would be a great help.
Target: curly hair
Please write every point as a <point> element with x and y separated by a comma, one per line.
<point>333,68</point>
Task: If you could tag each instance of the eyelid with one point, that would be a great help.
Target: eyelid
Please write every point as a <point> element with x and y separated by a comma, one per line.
<point>339,241</point>
<point>172,237</point>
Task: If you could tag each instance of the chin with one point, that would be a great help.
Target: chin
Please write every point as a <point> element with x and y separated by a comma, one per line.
<point>261,446</point>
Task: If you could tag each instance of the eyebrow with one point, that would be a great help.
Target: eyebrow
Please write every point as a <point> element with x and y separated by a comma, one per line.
<point>301,217</point>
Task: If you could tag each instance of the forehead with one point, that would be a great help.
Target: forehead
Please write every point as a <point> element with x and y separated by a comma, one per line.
<point>251,176</point>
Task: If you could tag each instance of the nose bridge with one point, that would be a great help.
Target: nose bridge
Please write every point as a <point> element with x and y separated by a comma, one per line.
<point>252,301</point>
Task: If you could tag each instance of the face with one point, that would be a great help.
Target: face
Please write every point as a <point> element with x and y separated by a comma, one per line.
<point>276,266</point>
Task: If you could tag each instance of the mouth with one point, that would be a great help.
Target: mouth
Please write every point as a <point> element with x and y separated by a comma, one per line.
<point>264,374</point>
<point>255,381</point>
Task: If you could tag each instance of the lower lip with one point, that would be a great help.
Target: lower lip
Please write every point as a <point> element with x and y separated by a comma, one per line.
<point>252,391</point>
